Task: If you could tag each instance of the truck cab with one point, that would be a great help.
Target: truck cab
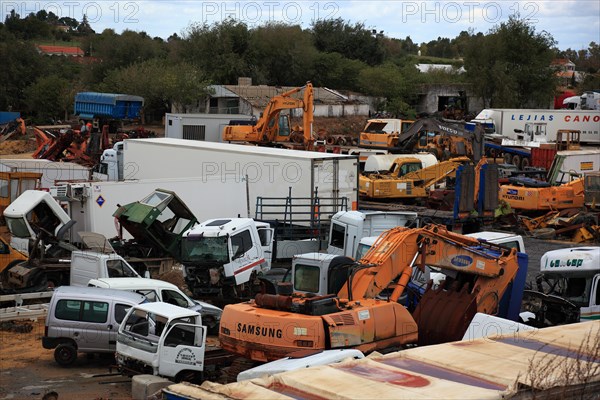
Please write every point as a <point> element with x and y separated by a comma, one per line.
<point>568,287</point>
<point>349,227</point>
<point>162,339</point>
<point>225,252</point>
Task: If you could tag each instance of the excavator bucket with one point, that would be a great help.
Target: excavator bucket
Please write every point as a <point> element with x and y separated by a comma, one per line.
<point>444,315</point>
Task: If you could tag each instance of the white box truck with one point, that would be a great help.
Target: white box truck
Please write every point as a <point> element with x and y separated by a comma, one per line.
<point>271,173</point>
<point>539,125</point>
<point>52,171</point>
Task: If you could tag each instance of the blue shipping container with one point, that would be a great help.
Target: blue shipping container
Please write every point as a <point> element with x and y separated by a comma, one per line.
<point>89,105</point>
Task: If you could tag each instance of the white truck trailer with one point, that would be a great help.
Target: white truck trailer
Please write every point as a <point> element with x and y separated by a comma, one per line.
<point>530,125</point>
<point>52,171</point>
<point>92,204</point>
<point>272,174</point>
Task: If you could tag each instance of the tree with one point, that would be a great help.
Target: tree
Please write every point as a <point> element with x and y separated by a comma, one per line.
<point>220,50</point>
<point>50,98</point>
<point>281,54</point>
<point>160,83</point>
<point>351,41</point>
<point>510,66</point>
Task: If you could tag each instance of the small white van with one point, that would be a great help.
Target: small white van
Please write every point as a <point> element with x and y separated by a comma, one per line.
<point>85,319</point>
<point>157,290</point>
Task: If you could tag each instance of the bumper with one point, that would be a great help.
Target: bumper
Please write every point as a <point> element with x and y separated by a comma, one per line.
<point>49,343</point>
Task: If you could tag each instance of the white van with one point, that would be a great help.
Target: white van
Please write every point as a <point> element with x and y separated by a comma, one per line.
<point>86,265</point>
<point>85,319</point>
<point>157,290</point>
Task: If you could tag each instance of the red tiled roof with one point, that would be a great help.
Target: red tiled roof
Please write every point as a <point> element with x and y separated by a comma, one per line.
<point>66,50</point>
<point>562,61</point>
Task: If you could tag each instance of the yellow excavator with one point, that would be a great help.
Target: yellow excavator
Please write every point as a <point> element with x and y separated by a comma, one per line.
<point>273,127</point>
<point>480,277</point>
<point>407,179</point>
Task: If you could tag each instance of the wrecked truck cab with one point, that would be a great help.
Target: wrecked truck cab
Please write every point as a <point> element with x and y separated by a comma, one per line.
<point>36,212</point>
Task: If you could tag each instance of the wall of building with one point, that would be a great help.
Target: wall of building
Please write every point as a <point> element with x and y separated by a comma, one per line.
<point>430,96</point>
<point>204,127</point>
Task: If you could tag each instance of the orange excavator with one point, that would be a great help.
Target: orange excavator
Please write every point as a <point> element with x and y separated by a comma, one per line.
<point>273,128</point>
<point>480,277</point>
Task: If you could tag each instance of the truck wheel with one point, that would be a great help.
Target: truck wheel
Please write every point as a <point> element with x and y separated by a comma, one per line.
<point>65,354</point>
<point>524,163</point>
<point>516,160</point>
<point>507,158</point>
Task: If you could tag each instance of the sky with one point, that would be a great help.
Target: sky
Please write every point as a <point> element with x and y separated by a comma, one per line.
<point>572,23</point>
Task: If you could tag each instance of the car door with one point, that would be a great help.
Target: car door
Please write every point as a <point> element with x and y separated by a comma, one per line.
<point>244,257</point>
<point>119,310</point>
<point>96,325</point>
<point>182,348</point>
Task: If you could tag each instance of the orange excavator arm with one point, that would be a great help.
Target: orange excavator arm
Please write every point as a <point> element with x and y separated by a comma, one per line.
<point>267,127</point>
<point>392,257</point>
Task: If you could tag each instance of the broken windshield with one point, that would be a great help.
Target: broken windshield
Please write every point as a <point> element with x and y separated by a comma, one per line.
<point>200,248</point>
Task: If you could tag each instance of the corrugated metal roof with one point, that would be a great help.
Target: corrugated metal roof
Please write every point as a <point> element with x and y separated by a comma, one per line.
<point>487,368</point>
<point>259,95</point>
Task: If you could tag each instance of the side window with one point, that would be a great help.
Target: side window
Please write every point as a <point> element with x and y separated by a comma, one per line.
<point>264,235</point>
<point>94,311</point>
<point>172,297</point>
<point>241,243</point>
<point>68,310</point>
<point>86,311</point>
<point>597,291</point>
<point>121,311</point>
<point>148,294</point>
<point>118,269</point>
<point>183,335</point>
<point>338,236</point>
<point>3,248</point>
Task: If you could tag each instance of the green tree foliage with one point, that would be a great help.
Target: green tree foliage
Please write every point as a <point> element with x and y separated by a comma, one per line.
<point>351,41</point>
<point>50,98</point>
<point>116,51</point>
<point>159,82</point>
<point>21,65</point>
<point>221,50</point>
<point>585,60</point>
<point>281,55</point>
<point>335,71</point>
<point>510,67</point>
<point>397,85</point>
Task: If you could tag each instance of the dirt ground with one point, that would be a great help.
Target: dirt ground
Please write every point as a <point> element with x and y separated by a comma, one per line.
<point>28,371</point>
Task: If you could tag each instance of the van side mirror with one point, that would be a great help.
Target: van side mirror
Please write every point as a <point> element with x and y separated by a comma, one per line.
<point>147,274</point>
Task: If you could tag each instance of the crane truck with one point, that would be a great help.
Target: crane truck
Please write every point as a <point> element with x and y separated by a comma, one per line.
<point>485,278</point>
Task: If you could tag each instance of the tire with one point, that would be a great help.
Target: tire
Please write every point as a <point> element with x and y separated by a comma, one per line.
<point>507,158</point>
<point>524,163</point>
<point>516,160</point>
<point>65,354</point>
